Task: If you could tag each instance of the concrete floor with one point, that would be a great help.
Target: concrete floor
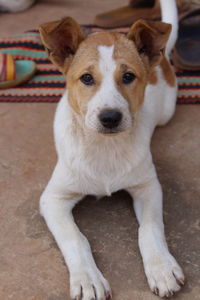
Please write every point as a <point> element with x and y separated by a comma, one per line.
<point>48,10</point>
<point>31,266</point>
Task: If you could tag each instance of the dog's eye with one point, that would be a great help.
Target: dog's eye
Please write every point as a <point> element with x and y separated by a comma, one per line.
<point>87,79</point>
<point>128,77</point>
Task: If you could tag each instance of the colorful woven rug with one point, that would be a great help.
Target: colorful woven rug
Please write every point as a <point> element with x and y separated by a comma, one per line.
<point>48,83</point>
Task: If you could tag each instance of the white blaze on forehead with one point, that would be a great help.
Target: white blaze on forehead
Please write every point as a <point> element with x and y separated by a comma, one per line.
<point>107,64</point>
<point>108,95</point>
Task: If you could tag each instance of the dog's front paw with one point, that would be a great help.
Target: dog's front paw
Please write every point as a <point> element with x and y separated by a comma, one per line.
<point>164,275</point>
<point>89,285</point>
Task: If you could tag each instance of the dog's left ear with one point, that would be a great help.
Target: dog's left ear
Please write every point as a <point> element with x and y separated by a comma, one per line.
<point>61,40</point>
<point>150,39</point>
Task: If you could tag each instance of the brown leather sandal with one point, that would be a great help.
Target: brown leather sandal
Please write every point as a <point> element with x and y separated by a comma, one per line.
<point>187,49</point>
<point>127,15</point>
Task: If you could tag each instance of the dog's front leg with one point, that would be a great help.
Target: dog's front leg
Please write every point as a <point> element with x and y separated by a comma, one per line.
<point>163,273</point>
<point>56,204</point>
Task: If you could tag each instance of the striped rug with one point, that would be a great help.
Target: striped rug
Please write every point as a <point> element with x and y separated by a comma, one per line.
<point>48,83</point>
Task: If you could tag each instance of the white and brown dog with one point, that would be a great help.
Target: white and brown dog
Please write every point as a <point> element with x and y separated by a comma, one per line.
<point>120,87</point>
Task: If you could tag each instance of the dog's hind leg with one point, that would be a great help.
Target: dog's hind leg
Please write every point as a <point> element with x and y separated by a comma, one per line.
<point>56,204</point>
<point>163,273</point>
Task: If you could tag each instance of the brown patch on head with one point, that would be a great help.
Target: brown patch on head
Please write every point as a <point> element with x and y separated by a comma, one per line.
<point>128,60</point>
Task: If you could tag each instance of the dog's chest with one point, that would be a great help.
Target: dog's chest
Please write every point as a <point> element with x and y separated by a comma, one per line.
<point>103,169</point>
<point>100,177</point>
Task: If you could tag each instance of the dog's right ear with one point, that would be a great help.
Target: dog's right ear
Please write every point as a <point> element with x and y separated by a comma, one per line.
<point>61,40</point>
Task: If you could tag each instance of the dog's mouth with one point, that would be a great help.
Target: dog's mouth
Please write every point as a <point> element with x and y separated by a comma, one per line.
<point>110,132</point>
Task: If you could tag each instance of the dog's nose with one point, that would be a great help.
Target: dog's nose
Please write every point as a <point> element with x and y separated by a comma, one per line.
<point>110,118</point>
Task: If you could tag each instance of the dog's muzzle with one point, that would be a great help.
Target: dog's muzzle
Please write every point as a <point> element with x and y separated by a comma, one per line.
<point>110,119</point>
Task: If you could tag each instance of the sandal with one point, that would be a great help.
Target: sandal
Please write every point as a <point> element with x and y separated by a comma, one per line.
<point>137,9</point>
<point>187,49</point>
<point>12,72</point>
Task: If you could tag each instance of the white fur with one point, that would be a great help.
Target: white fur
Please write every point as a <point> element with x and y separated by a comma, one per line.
<point>92,163</point>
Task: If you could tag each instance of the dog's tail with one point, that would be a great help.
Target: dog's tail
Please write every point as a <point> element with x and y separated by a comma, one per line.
<point>170,15</point>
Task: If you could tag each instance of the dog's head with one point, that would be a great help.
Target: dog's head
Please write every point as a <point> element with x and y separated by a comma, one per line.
<point>106,72</point>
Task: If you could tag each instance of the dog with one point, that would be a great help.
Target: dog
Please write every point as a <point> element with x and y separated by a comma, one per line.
<point>120,87</point>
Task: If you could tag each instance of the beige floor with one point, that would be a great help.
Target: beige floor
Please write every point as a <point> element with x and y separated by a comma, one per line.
<point>31,266</point>
<point>47,10</point>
